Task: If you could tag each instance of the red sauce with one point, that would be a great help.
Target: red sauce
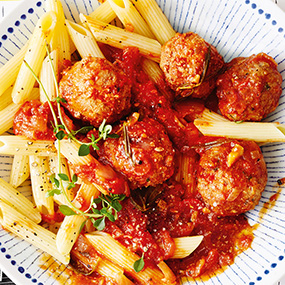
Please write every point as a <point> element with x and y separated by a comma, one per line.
<point>104,176</point>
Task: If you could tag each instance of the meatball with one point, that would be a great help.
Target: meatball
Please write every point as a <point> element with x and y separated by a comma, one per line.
<point>147,159</point>
<point>250,88</point>
<point>231,177</point>
<point>95,89</point>
<point>191,65</point>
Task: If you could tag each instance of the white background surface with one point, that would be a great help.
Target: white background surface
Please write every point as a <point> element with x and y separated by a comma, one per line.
<point>7,6</point>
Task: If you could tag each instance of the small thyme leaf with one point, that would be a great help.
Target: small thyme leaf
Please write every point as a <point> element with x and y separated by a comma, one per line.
<point>83,130</point>
<point>53,192</point>
<point>65,210</point>
<point>83,150</point>
<point>56,182</point>
<point>99,224</point>
<point>139,264</point>
<point>238,122</point>
<point>113,136</point>
<point>74,178</point>
<point>60,100</point>
<point>63,176</point>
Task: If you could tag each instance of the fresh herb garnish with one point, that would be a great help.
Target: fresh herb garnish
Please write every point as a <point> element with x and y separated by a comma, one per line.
<point>139,264</point>
<point>110,203</point>
<point>103,133</point>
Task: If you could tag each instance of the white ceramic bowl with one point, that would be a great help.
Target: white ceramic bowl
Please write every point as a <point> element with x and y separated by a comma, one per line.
<point>235,28</point>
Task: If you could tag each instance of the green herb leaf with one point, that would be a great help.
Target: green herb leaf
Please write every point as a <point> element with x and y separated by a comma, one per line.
<point>53,192</point>
<point>74,178</point>
<point>116,205</point>
<point>113,136</point>
<point>99,224</point>
<point>66,210</point>
<point>84,150</point>
<point>56,182</point>
<point>63,176</point>
<point>60,100</point>
<point>139,264</point>
<point>70,186</point>
<point>84,130</point>
<point>60,135</point>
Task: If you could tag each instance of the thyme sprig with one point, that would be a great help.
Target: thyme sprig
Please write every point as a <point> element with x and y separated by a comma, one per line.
<point>110,203</point>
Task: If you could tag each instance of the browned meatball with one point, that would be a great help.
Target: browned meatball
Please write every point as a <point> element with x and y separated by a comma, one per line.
<point>250,88</point>
<point>95,89</point>
<point>231,177</point>
<point>190,65</point>
<point>149,160</point>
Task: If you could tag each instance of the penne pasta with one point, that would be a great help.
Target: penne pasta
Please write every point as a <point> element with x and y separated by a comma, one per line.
<point>261,132</point>
<point>72,225</point>
<point>28,230</point>
<point>83,40</point>
<point>34,57</point>
<point>15,199</point>
<point>68,233</point>
<point>47,77</point>
<point>10,70</point>
<point>184,246</point>
<point>6,98</point>
<point>118,254</point>
<point>54,169</point>
<point>104,13</point>
<point>69,149</point>
<point>209,115</point>
<point>155,18</point>
<point>186,172</point>
<point>7,114</point>
<point>109,269</point>
<point>60,39</point>
<point>130,17</point>
<point>20,171</point>
<point>41,184</point>
<point>13,145</point>
<point>121,38</point>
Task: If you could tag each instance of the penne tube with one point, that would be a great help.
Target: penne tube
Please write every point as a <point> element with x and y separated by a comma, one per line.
<point>20,171</point>
<point>104,178</point>
<point>186,172</point>
<point>13,145</point>
<point>54,169</point>
<point>104,13</point>
<point>120,255</point>
<point>47,77</point>
<point>155,18</point>
<point>68,233</point>
<point>41,184</point>
<point>6,98</point>
<point>122,38</point>
<point>184,246</point>
<point>60,39</point>
<point>28,230</point>
<point>208,115</point>
<point>71,225</point>
<point>130,17</point>
<point>10,69</point>
<point>7,114</point>
<point>34,57</point>
<point>84,196</point>
<point>169,277</point>
<point>83,40</point>
<point>69,149</point>
<point>260,132</point>
<point>15,199</point>
<point>109,269</point>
